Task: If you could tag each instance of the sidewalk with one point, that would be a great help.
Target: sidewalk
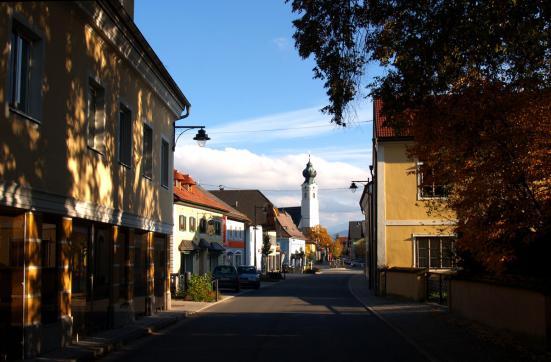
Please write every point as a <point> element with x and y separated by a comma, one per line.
<point>91,348</point>
<point>438,335</point>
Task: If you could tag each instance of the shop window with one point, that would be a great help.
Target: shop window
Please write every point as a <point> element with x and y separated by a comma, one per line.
<point>49,286</point>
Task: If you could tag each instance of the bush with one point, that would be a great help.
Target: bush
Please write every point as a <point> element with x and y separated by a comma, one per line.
<point>200,288</point>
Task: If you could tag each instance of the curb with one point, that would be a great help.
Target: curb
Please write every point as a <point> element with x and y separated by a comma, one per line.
<point>379,316</point>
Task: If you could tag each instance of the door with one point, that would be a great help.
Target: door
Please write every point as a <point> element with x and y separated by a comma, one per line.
<point>80,286</point>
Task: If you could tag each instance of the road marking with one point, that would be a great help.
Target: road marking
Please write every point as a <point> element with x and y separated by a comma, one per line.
<point>415,345</point>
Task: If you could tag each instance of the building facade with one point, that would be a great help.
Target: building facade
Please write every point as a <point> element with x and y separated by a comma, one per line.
<point>261,213</point>
<point>291,241</point>
<point>85,183</point>
<point>402,233</point>
<point>198,238</point>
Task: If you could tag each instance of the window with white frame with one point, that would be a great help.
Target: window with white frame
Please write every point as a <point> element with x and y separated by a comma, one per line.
<point>192,224</point>
<point>147,152</point>
<point>164,162</point>
<point>435,252</point>
<point>95,116</point>
<point>427,185</point>
<point>125,136</point>
<point>24,71</point>
<point>182,223</point>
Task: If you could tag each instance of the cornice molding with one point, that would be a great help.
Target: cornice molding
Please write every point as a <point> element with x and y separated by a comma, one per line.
<point>14,195</point>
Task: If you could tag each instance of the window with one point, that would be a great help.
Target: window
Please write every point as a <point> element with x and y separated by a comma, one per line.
<point>435,252</point>
<point>164,163</point>
<point>24,82</point>
<point>203,225</point>
<point>427,184</point>
<point>147,153</point>
<point>125,136</point>
<point>217,228</point>
<point>183,223</point>
<point>95,116</point>
<point>192,225</point>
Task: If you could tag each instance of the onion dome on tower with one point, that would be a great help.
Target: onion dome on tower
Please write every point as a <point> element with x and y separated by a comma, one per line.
<point>309,173</point>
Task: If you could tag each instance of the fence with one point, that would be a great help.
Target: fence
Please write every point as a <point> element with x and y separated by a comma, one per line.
<point>438,286</point>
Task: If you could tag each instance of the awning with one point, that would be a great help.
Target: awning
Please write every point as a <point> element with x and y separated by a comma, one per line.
<point>187,246</point>
<point>216,248</point>
<point>203,244</point>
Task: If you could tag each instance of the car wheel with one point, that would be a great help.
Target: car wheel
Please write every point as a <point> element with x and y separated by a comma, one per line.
<point>257,286</point>
<point>237,288</point>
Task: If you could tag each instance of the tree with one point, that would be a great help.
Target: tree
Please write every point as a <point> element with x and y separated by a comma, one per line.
<point>320,236</point>
<point>471,82</point>
<point>336,249</point>
<point>266,246</point>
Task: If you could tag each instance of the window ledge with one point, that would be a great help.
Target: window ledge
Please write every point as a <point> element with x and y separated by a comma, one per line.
<point>97,151</point>
<point>24,115</point>
<point>149,178</point>
<point>125,165</point>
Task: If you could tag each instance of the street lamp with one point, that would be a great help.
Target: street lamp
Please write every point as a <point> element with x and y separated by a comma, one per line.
<point>263,208</point>
<point>353,187</point>
<point>201,137</point>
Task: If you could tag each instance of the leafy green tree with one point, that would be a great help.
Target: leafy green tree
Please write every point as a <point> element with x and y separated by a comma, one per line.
<point>471,81</point>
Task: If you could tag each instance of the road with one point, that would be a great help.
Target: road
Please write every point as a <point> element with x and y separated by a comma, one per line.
<point>304,318</point>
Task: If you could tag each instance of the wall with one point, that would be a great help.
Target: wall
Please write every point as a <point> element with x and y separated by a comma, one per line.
<point>50,162</point>
<point>522,311</point>
<point>178,236</point>
<point>409,284</point>
<point>403,215</point>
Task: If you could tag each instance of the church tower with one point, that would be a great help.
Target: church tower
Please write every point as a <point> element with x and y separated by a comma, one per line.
<point>309,207</point>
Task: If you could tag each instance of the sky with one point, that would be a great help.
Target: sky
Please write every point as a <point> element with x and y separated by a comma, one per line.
<point>236,63</point>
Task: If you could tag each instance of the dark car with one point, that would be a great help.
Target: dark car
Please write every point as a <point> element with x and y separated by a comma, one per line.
<point>248,276</point>
<point>227,276</point>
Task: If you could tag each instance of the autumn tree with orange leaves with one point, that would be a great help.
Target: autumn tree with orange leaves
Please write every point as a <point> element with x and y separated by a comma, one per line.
<point>472,82</point>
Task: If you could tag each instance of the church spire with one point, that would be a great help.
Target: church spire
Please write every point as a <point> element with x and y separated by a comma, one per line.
<point>309,172</point>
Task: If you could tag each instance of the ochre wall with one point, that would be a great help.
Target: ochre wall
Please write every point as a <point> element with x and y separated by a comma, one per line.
<point>519,310</point>
<point>53,156</point>
<point>403,206</point>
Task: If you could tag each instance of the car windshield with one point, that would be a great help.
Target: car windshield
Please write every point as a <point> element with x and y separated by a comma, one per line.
<point>246,270</point>
<point>224,270</point>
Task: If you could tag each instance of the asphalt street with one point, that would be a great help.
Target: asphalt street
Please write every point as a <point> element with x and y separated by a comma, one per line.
<point>303,318</point>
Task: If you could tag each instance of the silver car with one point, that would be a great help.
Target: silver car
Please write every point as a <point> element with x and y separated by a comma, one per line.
<point>248,276</point>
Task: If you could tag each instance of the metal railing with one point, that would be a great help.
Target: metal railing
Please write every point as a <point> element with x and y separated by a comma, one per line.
<point>437,284</point>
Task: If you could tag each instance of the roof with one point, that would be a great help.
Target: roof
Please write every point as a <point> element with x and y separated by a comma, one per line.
<point>232,213</point>
<point>295,212</point>
<point>355,230</point>
<point>188,191</point>
<point>382,131</point>
<point>250,203</point>
<point>286,228</point>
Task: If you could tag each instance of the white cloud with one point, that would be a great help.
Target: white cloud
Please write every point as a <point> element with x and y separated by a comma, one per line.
<point>302,123</point>
<point>282,43</point>
<point>279,177</point>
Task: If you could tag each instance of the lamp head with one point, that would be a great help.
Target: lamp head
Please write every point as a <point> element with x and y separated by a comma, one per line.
<point>201,137</point>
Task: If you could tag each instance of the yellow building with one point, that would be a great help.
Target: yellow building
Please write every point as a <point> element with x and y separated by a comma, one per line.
<point>198,228</point>
<point>401,234</point>
<point>85,172</point>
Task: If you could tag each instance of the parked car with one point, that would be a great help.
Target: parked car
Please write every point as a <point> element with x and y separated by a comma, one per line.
<point>357,263</point>
<point>248,276</point>
<point>227,277</point>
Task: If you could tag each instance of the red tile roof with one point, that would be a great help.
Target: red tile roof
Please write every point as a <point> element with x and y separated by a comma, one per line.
<point>285,227</point>
<point>382,131</point>
<point>192,193</point>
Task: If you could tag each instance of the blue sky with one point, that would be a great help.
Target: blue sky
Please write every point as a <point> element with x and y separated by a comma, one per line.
<point>236,63</point>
